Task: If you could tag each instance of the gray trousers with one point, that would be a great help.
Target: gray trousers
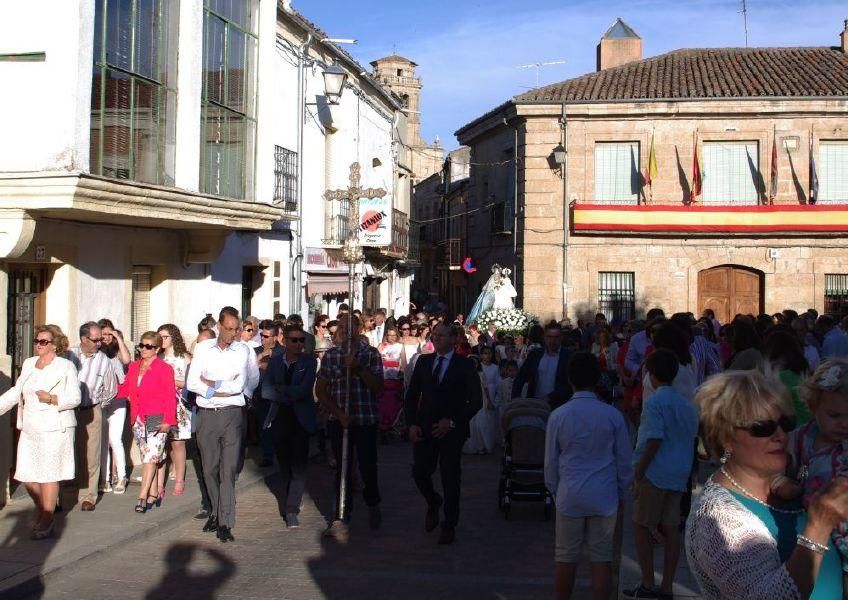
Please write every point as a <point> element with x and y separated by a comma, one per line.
<point>219,437</point>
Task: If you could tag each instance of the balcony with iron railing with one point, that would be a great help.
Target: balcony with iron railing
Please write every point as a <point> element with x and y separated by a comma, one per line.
<point>400,234</point>
<point>337,225</point>
<point>453,253</point>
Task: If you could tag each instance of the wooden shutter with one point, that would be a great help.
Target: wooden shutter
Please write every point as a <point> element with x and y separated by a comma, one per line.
<point>731,173</point>
<point>140,309</point>
<point>833,172</point>
<point>617,178</point>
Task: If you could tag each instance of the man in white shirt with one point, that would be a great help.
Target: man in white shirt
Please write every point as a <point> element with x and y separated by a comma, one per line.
<point>223,372</point>
<point>98,386</point>
<point>376,335</point>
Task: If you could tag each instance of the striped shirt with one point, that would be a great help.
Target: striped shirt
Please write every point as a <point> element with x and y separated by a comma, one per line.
<point>98,382</point>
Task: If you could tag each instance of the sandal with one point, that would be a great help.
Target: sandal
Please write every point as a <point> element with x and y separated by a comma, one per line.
<point>157,501</point>
<point>140,506</point>
<point>179,487</point>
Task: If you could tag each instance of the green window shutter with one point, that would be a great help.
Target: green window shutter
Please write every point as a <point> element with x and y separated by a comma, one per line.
<point>833,172</point>
<point>731,173</point>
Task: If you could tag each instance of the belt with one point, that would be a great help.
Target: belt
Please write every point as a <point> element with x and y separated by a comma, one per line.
<point>217,408</point>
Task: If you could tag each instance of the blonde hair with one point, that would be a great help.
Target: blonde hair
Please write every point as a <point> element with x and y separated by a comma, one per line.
<point>736,399</point>
<point>60,340</point>
<point>830,376</point>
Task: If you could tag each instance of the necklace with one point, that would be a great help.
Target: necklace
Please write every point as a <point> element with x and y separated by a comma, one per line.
<point>747,494</point>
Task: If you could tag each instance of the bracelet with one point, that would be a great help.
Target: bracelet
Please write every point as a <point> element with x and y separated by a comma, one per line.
<point>810,544</point>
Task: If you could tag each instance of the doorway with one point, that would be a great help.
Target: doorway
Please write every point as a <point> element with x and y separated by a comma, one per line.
<point>26,310</point>
<point>730,290</point>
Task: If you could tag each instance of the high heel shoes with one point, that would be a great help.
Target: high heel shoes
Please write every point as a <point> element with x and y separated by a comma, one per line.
<point>42,533</point>
<point>179,487</point>
<point>157,502</point>
<point>140,506</point>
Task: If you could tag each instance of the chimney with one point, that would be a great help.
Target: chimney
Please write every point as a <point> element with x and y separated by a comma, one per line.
<point>619,45</point>
<point>844,37</point>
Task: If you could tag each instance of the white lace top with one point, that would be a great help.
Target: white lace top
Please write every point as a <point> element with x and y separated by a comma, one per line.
<point>731,552</point>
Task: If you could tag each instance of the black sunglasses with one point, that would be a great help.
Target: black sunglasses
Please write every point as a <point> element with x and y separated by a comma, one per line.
<point>766,428</point>
<point>297,340</point>
<point>265,336</point>
<point>41,342</point>
<point>147,347</point>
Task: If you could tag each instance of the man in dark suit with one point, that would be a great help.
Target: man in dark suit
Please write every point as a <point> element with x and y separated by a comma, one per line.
<point>268,332</point>
<point>291,418</point>
<point>545,371</point>
<point>443,394</point>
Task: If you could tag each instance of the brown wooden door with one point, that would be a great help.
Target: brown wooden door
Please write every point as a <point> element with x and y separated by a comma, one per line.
<point>729,291</point>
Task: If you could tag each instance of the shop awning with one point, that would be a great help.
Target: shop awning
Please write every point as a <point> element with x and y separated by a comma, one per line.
<point>326,284</point>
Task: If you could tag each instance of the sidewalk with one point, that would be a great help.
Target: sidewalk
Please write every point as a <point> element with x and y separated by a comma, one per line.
<point>26,565</point>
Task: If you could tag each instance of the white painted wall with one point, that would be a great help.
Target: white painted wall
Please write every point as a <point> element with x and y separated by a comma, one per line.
<point>45,121</point>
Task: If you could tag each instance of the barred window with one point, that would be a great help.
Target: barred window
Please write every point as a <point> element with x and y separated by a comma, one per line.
<point>285,178</point>
<point>617,176</point>
<point>617,295</point>
<point>835,293</point>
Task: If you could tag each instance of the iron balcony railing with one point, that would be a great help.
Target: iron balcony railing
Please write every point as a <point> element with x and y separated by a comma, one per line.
<point>453,252</point>
<point>337,225</point>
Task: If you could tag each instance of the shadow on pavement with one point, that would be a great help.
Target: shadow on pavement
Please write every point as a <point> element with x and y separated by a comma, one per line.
<point>198,580</point>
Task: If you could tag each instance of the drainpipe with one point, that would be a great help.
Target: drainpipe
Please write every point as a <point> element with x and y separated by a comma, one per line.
<point>564,127</point>
<point>515,270</point>
<point>295,294</point>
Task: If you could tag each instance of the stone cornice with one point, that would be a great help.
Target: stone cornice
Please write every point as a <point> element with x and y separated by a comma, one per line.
<point>84,197</point>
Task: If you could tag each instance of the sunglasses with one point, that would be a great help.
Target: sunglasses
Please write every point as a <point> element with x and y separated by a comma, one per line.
<point>297,340</point>
<point>95,340</point>
<point>147,347</point>
<point>265,336</point>
<point>766,428</point>
<point>249,329</point>
<point>404,328</point>
<point>41,342</point>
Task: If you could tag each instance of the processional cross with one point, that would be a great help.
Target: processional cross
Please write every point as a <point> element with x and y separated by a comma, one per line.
<point>352,255</point>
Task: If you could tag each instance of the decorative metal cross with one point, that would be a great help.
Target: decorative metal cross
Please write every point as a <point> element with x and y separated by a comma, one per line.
<point>353,193</point>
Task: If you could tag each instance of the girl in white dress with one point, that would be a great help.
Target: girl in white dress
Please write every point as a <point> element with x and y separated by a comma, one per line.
<point>46,393</point>
<point>482,439</point>
<point>175,354</point>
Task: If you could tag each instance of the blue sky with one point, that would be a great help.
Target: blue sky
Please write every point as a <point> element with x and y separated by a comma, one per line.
<point>468,50</point>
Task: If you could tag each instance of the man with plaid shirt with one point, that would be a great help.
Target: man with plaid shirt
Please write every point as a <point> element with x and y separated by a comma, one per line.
<point>361,419</point>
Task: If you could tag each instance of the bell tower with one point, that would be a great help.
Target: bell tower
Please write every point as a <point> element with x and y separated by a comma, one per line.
<point>398,74</point>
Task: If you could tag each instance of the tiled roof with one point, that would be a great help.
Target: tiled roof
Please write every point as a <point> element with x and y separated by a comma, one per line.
<point>393,58</point>
<point>709,73</point>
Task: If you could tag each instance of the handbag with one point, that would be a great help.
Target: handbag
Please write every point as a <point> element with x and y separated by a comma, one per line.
<point>153,422</point>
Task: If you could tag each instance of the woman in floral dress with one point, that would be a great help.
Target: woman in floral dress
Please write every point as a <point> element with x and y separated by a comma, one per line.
<point>175,354</point>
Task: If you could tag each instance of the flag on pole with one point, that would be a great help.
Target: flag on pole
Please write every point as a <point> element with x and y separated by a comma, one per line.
<point>652,163</point>
<point>773,186</point>
<point>814,180</point>
<point>697,174</point>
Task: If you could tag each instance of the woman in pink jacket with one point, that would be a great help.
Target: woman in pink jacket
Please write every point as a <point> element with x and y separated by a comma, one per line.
<point>152,392</point>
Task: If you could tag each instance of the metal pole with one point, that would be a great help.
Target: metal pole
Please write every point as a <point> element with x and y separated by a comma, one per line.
<point>351,274</point>
<point>295,294</point>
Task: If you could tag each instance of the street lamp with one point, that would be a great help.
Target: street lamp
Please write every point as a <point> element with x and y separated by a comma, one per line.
<point>334,81</point>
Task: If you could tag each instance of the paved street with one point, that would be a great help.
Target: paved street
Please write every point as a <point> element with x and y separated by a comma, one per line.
<point>492,558</point>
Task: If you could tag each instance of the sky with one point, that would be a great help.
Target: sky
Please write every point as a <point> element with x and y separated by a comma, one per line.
<point>469,52</point>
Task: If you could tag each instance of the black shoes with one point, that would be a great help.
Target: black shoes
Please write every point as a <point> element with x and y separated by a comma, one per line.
<point>202,515</point>
<point>431,519</point>
<point>447,535</point>
<point>211,524</point>
<point>225,535</point>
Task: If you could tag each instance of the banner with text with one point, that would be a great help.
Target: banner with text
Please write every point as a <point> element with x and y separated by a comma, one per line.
<point>375,221</point>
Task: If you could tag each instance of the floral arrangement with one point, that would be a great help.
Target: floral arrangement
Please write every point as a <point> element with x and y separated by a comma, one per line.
<point>507,320</point>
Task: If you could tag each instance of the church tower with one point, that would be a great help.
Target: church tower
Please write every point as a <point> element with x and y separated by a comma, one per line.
<point>398,74</point>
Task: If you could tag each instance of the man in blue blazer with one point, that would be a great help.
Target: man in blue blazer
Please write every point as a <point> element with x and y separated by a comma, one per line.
<point>444,393</point>
<point>291,418</point>
<point>545,371</point>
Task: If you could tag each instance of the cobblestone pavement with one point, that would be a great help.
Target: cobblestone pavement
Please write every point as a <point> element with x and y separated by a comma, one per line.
<point>492,558</point>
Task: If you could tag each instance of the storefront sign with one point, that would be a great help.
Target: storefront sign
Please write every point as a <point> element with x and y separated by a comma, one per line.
<point>318,259</point>
<point>375,221</point>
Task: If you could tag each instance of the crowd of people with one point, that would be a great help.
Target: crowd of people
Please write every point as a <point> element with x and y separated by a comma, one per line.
<point>637,408</point>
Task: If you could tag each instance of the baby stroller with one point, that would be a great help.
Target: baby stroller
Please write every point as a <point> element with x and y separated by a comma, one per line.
<point>522,478</point>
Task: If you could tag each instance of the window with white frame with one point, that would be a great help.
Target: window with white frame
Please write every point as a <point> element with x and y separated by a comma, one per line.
<point>833,172</point>
<point>731,173</point>
<point>617,176</point>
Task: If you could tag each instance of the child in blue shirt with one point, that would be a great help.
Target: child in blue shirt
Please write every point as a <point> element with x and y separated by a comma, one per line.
<point>663,462</point>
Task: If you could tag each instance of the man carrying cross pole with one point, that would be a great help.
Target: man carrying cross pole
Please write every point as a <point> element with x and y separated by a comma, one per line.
<point>360,420</point>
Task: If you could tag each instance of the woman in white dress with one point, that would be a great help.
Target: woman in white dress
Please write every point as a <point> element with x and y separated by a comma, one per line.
<point>175,354</point>
<point>482,438</point>
<point>46,393</point>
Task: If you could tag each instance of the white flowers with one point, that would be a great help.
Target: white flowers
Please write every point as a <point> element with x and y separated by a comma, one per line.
<point>511,320</point>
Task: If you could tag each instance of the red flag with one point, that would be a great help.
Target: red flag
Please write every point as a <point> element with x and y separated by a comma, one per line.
<point>773,186</point>
<point>696,175</point>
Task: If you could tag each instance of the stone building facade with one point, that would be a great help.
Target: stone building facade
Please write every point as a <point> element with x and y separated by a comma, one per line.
<point>592,234</point>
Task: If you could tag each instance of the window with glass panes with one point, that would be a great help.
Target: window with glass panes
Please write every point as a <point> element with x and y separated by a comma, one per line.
<point>833,172</point>
<point>133,100</point>
<point>228,123</point>
<point>731,173</point>
<point>617,176</point>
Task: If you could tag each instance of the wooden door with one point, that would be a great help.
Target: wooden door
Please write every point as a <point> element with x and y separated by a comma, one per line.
<point>730,290</point>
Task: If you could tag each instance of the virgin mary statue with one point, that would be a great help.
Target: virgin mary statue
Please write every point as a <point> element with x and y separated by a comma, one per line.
<point>497,293</point>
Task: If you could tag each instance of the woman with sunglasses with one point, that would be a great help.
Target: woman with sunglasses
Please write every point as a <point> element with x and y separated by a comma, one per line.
<point>174,352</point>
<point>46,392</point>
<point>152,393</point>
<point>741,541</point>
<point>425,346</point>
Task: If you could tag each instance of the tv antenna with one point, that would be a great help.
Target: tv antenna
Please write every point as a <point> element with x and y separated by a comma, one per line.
<point>744,12</point>
<point>539,65</point>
